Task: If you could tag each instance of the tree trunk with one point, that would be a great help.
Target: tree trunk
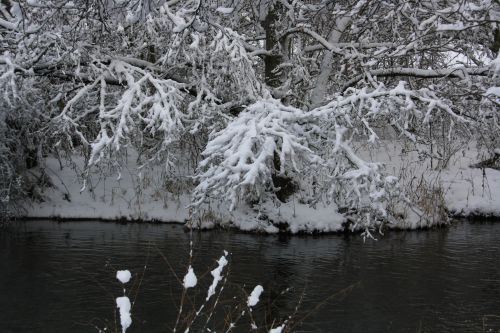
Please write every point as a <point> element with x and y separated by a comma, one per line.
<point>272,62</point>
<point>495,46</point>
<point>285,185</point>
<point>319,92</point>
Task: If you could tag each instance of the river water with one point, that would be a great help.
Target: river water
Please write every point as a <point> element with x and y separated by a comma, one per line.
<point>60,277</point>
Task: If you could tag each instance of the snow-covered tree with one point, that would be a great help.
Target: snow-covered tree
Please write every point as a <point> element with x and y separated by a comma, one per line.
<point>271,97</point>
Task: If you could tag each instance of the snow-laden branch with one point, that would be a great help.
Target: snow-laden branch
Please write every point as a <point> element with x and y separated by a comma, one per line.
<point>305,30</point>
<point>356,45</point>
<point>461,73</point>
<point>239,159</point>
<point>398,100</point>
<point>147,102</point>
<point>69,71</point>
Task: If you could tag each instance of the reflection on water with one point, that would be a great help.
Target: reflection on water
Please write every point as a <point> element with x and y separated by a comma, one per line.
<point>59,277</point>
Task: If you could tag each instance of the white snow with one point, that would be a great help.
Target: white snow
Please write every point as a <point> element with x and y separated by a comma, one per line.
<point>123,303</point>
<point>107,196</point>
<point>253,299</point>
<point>467,191</point>
<point>451,27</point>
<point>472,192</point>
<point>123,276</point>
<point>493,91</point>
<point>278,329</point>
<point>224,10</point>
<point>190,279</point>
<point>297,216</point>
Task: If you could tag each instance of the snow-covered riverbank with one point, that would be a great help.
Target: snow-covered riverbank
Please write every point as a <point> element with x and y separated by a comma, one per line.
<point>125,198</point>
<point>467,191</point>
<point>131,195</point>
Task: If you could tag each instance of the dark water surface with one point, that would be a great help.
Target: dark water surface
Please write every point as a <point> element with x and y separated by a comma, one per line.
<point>59,277</point>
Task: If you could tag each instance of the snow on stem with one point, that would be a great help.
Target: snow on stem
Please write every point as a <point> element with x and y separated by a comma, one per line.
<point>123,303</point>
<point>123,276</point>
<point>217,274</point>
<point>278,329</point>
<point>253,299</point>
<point>217,277</point>
<point>190,279</point>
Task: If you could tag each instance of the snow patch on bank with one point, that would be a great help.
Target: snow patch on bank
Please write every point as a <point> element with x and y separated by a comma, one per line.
<point>467,191</point>
<point>109,195</point>
<point>473,192</point>
<point>268,218</point>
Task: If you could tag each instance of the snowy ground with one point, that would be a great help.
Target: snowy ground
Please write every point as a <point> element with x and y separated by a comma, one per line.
<point>468,191</point>
<point>131,196</point>
<point>110,196</point>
